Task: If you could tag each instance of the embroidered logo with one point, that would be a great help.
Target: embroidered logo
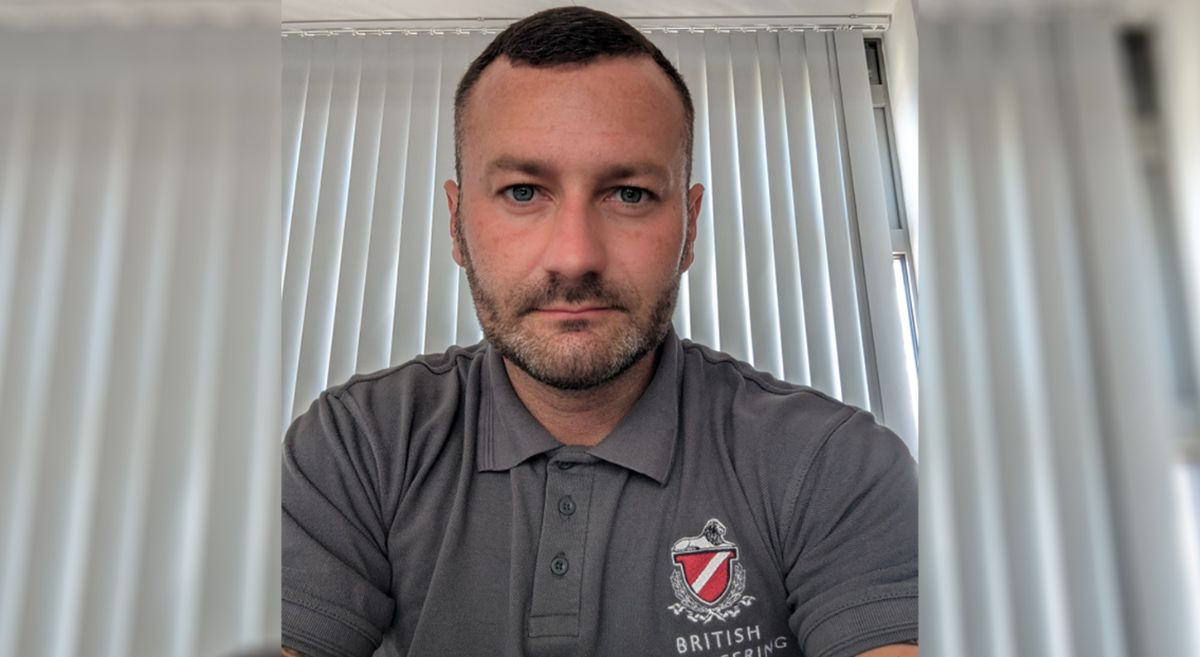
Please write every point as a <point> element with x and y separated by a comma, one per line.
<point>708,580</point>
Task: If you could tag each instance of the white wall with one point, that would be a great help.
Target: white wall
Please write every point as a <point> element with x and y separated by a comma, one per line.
<point>900,53</point>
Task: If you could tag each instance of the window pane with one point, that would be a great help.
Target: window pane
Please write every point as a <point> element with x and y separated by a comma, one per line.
<point>904,306</point>
<point>890,185</point>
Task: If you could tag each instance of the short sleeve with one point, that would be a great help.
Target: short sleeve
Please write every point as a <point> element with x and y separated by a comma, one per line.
<point>851,548</point>
<point>336,575</point>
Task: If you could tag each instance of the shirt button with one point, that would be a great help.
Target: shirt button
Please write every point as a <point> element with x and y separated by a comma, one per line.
<point>559,565</point>
<point>565,465</point>
<point>566,505</point>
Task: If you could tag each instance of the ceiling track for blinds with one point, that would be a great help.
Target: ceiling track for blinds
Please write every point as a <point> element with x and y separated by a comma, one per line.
<point>464,26</point>
<point>138,14</point>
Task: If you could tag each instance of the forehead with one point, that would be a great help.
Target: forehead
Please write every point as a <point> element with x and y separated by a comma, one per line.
<point>608,111</point>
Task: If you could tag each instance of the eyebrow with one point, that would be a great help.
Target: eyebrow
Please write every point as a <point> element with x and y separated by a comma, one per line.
<point>532,167</point>
<point>638,169</point>
<point>509,163</point>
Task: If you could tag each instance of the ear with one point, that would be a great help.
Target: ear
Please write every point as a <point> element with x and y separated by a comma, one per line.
<point>695,196</point>
<point>451,188</point>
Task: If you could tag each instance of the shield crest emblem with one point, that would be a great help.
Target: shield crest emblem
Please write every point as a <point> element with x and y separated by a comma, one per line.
<point>707,572</point>
<point>708,582</point>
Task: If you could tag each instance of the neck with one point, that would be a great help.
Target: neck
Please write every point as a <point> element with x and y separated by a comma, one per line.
<point>583,417</point>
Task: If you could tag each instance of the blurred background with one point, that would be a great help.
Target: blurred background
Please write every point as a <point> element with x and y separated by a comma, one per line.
<point>203,225</point>
<point>139,328</point>
<point>1060,473</point>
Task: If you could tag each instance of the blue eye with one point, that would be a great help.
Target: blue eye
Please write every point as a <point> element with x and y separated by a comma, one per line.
<point>631,195</point>
<point>521,193</point>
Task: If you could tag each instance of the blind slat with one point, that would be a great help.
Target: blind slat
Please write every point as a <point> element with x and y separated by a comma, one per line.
<point>16,125</point>
<point>145,306</point>
<point>1010,412</point>
<point>943,570</point>
<point>810,225</point>
<point>303,218</point>
<point>383,257</point>
<point>203,432</point>
<point>792,337</point>
<point>988,615</point>
<point>330,225</point>
<point>734,320</point>
<point>297,59</point>
<point>1076,456</point>
<point>100,243</point>
<point>360,198</point>
<point>25,407</point>
<point>843,289</point>
<point>412,284</point>
<point>759,257</point>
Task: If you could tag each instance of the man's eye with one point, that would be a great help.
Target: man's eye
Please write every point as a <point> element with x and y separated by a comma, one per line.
<point>520,193</point>
<point>631,195</point>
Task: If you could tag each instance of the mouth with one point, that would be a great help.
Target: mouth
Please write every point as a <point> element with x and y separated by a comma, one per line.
<point>573,312</point>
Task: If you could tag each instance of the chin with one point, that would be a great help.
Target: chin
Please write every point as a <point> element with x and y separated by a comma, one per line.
<point>573,357</point>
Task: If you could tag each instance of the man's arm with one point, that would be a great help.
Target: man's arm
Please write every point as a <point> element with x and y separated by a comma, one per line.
<point>288,652</point>
<point>894,650</point>
<point>336,569</point>
<point>850,544</point>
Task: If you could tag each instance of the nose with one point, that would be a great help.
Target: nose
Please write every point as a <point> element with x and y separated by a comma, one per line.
<point>576,245</point>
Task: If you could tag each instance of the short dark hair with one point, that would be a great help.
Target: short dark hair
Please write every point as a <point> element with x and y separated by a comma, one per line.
<point>567,35</point>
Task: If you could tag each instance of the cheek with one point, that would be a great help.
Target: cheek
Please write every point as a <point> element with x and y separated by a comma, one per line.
<point>650,255</point>
<point>496,255</point>
<point>663,242</point>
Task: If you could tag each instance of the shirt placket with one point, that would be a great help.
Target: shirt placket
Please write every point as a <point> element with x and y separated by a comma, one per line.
<point>561,557</point>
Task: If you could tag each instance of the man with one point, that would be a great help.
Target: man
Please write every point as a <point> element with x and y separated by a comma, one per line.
<point>583,482</point>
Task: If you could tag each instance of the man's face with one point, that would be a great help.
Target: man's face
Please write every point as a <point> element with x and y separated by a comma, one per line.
<point>574,221</point>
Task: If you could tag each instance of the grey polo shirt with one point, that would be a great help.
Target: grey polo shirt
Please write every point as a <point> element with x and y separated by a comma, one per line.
<point>426,512</point>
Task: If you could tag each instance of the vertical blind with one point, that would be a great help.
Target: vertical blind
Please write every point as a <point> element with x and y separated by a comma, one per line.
<point>793,268</point>
<point>1051,523</point>
<point>139,490</point>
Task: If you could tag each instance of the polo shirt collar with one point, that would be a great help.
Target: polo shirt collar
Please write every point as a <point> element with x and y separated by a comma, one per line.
<point>644,441</point>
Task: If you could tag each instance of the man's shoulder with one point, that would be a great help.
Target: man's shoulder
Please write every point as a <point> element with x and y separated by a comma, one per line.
<point>779,435</point>
<point>751,394</point>
<point>420,369</point>
<point>412,384</point>
<point>767,424</point>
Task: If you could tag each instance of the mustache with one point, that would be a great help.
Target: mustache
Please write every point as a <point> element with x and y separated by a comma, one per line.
<point>589,288</point>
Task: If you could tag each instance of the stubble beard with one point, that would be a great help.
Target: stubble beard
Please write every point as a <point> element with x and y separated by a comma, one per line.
<point>576,367</point>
